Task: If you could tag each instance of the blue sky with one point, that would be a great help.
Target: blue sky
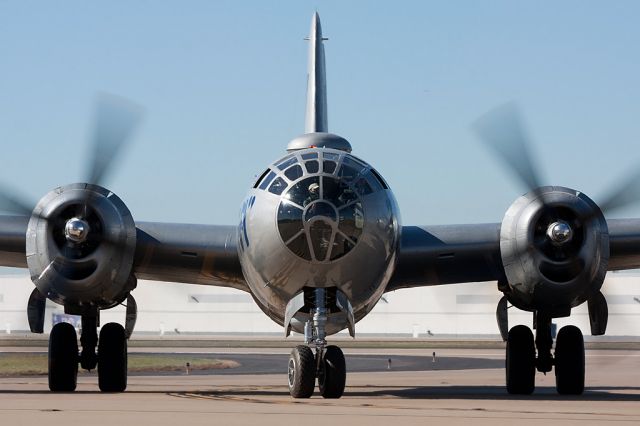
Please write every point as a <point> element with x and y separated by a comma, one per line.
<point>223,86</point>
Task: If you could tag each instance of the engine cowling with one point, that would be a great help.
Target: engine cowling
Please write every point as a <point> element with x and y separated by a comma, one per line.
<point>80,247</point>
<point>554,244</point>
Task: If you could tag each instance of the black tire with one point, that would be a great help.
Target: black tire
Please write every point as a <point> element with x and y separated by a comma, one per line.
<point>301,372</point>
<point>63,358</point>
<point>570,361</point>
<point>333,373</point>
<point>112,358</point>
<point>520,361</point>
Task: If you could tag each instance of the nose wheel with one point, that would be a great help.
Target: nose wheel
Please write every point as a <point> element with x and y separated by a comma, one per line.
<point>328,365</point>
<point>301,372</point>
<point>332,373</point>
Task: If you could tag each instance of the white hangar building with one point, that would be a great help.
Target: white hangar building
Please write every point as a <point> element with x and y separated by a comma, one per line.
<point>453,311</point>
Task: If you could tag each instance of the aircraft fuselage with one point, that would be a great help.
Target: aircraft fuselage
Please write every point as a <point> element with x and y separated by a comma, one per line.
<point>318,218</point>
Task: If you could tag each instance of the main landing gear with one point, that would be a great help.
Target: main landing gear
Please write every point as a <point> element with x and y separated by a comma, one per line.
<point>111,358</point>
<point>521,360</point>
<point>327,364</point>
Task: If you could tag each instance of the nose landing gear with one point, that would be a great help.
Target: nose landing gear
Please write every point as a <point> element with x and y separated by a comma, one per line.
<point>327,365</point>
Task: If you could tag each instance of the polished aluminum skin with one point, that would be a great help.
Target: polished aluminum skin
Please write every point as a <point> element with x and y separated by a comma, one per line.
<point>318,218</point>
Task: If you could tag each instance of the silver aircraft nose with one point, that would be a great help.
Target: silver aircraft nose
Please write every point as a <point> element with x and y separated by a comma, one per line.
<point>76,230</point>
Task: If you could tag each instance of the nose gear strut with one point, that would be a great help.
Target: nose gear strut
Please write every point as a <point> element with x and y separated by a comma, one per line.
<point>318,322</point>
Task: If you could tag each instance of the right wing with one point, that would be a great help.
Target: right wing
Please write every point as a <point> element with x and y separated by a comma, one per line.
<point>186,253</point>
<point>173,252</point>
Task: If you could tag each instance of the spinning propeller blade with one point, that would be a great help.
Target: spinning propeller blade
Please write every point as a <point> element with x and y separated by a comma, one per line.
<point>501,130</point>
<point>116,119</point>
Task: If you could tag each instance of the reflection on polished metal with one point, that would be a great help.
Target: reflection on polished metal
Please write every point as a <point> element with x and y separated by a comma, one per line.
<point>76,230</point>
<point>560,232</point>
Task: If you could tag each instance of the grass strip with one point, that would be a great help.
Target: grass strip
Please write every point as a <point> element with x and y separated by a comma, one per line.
<point>30,364</point>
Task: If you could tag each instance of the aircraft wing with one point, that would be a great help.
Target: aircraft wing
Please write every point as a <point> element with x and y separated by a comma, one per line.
<point>448,254</point>
<point>185,253</point>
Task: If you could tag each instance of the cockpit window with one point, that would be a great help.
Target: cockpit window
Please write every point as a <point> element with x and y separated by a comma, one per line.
<point>322,219</point>
<point>322,193</point>
<point>358,178</point>
<point>356,164</point>
<point>267,180</point>
<point>278,186</point>
<point>379,179</point>
<point>356,160</point>
<point>293,172</point>
<point>341,246</point>
<point>287,161</point>
<point>300,246</point>
<point>289,221</point>
<point>328,166</point>
<point>330,156</point>
<point>304,192</point>
<point>337,191</point>
<point>312,166</point>
<point>351,220</point>
<point>255,185</point>
<point>362,187</point>
<point>347,172</point>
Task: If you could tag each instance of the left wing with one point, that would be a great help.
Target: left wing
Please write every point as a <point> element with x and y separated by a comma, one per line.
<point>447,254</point>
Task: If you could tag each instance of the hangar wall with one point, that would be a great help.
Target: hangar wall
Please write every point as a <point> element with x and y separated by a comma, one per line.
<point>461,310</point>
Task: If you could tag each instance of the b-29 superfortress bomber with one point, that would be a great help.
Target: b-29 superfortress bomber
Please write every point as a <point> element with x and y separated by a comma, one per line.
<point>318,244</point>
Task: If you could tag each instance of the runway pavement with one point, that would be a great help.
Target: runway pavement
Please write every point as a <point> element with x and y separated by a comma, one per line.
<point>463,387</point>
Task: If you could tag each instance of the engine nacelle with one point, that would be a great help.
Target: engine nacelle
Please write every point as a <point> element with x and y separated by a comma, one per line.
<point>554,244</point>
<point>80,247</point>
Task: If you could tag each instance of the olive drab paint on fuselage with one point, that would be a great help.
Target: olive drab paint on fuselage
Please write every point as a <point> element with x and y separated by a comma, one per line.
<point>318,218</point>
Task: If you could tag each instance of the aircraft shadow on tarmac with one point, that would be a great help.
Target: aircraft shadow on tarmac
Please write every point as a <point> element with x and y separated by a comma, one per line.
<point>459,392</point>
<point>612,393</point>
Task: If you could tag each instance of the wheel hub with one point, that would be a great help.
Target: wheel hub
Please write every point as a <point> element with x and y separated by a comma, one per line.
<point>291,372</point>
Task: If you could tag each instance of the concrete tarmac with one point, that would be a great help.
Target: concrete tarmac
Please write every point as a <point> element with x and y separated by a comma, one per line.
<point>472,394</point>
